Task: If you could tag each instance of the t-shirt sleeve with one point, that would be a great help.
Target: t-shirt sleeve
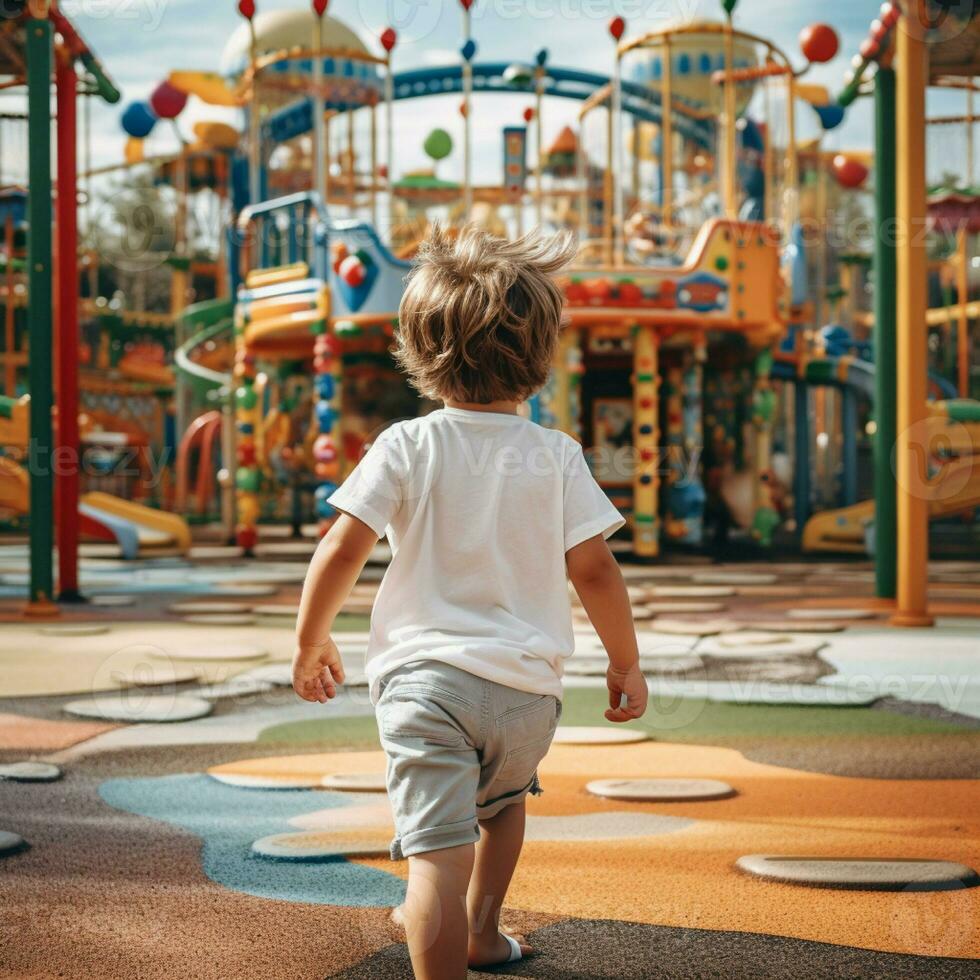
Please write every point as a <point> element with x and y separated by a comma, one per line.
<point>373,491</point>
<point>587,510</point>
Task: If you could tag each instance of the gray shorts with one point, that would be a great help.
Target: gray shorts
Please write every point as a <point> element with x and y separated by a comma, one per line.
<point>460,749</point>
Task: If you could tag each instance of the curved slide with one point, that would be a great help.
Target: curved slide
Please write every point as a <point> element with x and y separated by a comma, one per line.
<point>207,322</point>
<point>139,531</point>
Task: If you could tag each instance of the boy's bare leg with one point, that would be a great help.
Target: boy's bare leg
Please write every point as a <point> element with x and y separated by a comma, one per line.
<point>434,912</point>
<point>501,840</point>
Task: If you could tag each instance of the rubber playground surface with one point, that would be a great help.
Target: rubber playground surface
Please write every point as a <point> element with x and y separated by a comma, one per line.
<point>862,743</point>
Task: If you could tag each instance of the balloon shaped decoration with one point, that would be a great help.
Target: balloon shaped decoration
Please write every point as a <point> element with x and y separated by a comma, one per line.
<point>729,6</point>
<point>616,27</point>
<point>468,49</point>
<point>466,4</point>
<point>819,43</point>
<point>167,101</point>
<point>134,150</point>
<point>138,120</point>
<point>246,8</point>
<point>438,144</point>
<point>830,115</point>
<point>541,57</point>
<point>352,271</point>
<point>528,114</point>
<point>388,38</point>
<point>848,171</point>
<point>320,7</point>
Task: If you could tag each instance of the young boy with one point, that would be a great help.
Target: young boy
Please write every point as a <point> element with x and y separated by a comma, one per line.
<point>484,511</point>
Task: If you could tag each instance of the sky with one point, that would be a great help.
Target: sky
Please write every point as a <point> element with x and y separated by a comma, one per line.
<point>141,41</point>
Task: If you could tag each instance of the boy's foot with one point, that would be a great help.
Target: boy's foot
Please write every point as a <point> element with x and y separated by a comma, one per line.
<point>504,948</point>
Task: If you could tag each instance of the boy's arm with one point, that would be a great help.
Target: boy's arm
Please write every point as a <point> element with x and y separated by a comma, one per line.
<point>336,564</point>
<point>599,583</point>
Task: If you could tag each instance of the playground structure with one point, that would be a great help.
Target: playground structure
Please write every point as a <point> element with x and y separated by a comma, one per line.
<point>720,369</point>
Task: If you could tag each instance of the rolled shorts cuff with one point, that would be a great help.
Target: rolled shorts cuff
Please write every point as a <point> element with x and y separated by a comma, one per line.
<point>491,808</point>
<point>435,839</point>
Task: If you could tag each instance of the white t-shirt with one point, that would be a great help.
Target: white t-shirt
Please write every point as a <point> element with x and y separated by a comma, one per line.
<point>479,509</point>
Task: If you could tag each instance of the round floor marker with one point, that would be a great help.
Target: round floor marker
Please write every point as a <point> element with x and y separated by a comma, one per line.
<point>355,782</point>
<point>735,578</point>
<point>884,874</point>
<point>137,708</point>
<point>30,772</point>
<point>222,619</point>
<point>750,638</point>
<point>245,780</point>
<point>691,591</point>
<point>208,608</point>
<point>235,687</point>
<point>597,735</point>
<point>312,845</point>
<point>830,613</point>
<point>796,625</point>
<point>277,609</point>
<point>112,600</point>
<point>279,675</point>
<point>215,651</point>
<point>10,843</point>
<point>685,607</point>
<point>693,627</point>
<point>245,589</point>
<point>660,790</point>
<point>74,629</point>
<point>791,648</point>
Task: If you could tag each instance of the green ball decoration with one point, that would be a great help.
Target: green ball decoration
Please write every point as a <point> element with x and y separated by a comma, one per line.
<point>248,479</point>
<point>438,144</point>
<point>729,6</point>
<point>318,328</point>
<point>246,398</point>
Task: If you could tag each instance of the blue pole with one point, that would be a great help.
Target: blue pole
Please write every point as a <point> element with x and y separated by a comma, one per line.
<point>849,423</point>
<point>801,453</point>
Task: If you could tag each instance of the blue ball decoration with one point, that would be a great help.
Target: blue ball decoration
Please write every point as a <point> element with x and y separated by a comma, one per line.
<point>325,386</point>
<point>321,497</point>
<point>830,115</point>
<point>325,416</point>
<point>138,120</point>
<point>541,57</point>
<point>468,50</point>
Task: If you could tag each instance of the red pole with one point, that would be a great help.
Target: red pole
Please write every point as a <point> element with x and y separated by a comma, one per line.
<point>66,455</point>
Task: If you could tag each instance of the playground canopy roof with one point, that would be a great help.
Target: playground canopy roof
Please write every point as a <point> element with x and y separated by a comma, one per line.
<point>956,52</point>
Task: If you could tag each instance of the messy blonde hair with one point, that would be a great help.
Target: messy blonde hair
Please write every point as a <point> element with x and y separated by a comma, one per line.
<point>480,316</point>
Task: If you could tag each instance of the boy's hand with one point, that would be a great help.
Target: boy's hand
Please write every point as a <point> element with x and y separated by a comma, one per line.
<point>316,671</point>
<point>633,685</point>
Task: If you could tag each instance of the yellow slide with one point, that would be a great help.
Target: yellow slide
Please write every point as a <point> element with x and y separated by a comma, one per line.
<point>14,487</point>
<point>155,529</point>
<point>954,490</point>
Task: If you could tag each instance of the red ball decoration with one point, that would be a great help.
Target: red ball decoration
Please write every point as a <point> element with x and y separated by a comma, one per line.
<point>246,8</point>
<point>616,27</point>
<point>247,537</point>
<point>320,7</point>
<point>463,111</point>
<point>849,172</point>
<point>352,271</point>
<point>167,101</point>
<point>528,114</point>
<point>818,42</point>
<point>388,38</point>
<point>246,454</point>
<point>466,4</point>
<point>869,49</point>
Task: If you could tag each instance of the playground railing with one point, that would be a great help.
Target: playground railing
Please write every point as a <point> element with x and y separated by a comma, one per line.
<point>282,231</point>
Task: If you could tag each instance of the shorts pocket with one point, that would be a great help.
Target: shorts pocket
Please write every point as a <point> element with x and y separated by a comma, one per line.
<point>528,737</point>
<point>401,718</point>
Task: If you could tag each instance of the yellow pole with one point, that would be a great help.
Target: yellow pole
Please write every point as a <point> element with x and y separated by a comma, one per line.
<point>667,138</point>
<point>910,453</point>
<point>731,209</point>
<point>963,326</point>
<point>792,164</point>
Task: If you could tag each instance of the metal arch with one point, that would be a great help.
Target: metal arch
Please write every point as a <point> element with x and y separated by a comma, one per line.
<point>639,101</point>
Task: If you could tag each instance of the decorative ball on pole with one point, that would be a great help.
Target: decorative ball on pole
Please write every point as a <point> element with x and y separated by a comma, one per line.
<point>819,43</point>
<point>468,50</point>
<point>848,171</point>
<point>320,7</point>
<point>729,6</point>
<point>617,27</point>
<point>389,39</point>
<point>466,4</point>
<point>246,8</point>
<point>528,114</point>
<point>168,101</point>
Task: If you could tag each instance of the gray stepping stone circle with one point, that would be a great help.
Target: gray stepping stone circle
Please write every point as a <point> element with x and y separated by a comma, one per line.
<point>355,782</point>
<point>208,608</point>
<point>881,874</point>
<point>246,590</point>
<point>112,600</point>
<point>660,790</point>
<point>10,843</point>
<point>842,614</point>
<point>244,780</point>
<point>222,619</point>
<point>597,735</point>
<point>30,772</point>
<point>217,651</point>
<point>320,846</point>
<point>235,687</point>
<point>125,706</point>
<point>679,606</point>
<point>279,675</point>
<point>74,629</point>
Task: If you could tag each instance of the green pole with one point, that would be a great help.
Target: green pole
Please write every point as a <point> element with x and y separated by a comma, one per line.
<point>39,317</point>
<point>885,329</point>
